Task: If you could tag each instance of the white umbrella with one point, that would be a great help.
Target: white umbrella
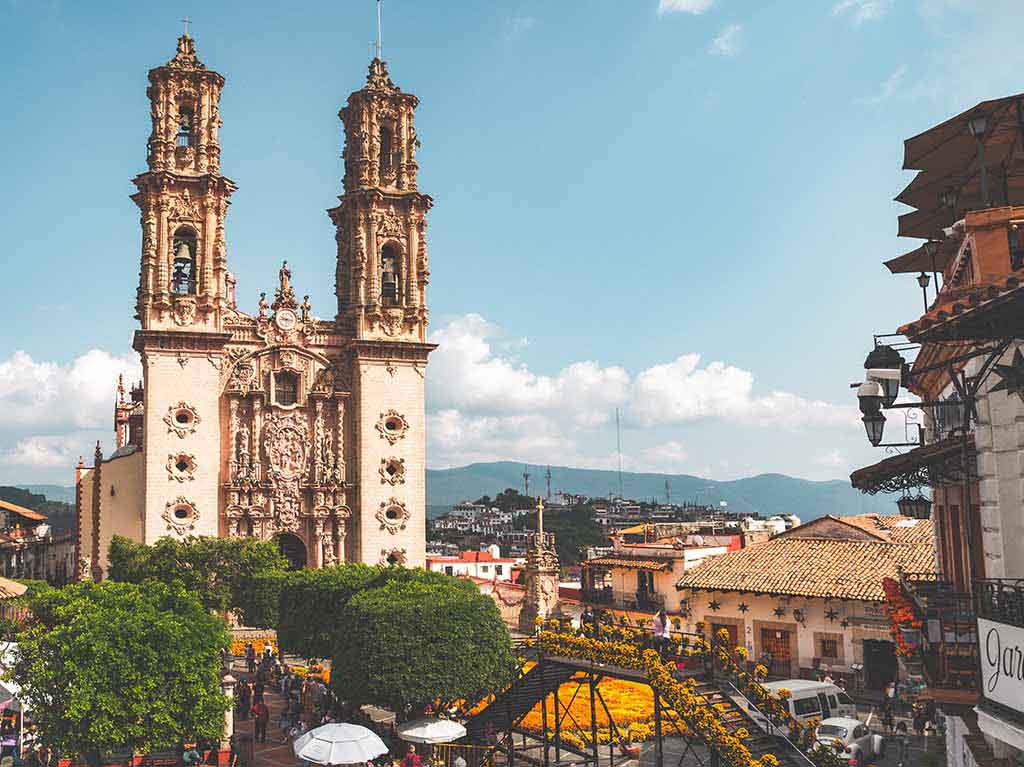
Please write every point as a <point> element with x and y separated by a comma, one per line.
<point>339,744</point>
<point>431,730</point>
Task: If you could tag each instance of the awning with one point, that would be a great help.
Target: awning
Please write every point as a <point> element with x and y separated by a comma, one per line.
<point>940,463</point>
<point>947,156</point>
<point>917,260</point>
<point>994,311</point>
<point>629,563</point>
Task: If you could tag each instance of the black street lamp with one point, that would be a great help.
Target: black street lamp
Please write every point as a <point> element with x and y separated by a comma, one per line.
<point>977,124</point>
<point>923,280</point>
<point>869,397</point>
<point>884,366</point>
<point>874,425</point>
<point>948,198</point>
<point>931,249</point>
<point>918,508</point>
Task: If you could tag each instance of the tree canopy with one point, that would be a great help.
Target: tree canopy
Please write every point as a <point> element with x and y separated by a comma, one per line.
<point>414,637</point>
<point>217,570</point>
<point>112,665</point>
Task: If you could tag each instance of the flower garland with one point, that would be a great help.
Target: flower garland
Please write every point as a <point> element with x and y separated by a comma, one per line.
<point>902,616</point>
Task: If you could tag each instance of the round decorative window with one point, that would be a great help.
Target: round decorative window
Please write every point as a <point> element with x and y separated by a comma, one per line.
<point>181,515</point>
<point>182,419</point>
<point>392,515</point>
<point>392,426</point>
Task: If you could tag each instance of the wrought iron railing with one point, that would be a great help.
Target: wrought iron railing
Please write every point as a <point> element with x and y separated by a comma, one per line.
<point>949,632</point>
<point>1001,600</point>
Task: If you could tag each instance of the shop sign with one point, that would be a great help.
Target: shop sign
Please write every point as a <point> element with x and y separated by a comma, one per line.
<point>1002,663</point>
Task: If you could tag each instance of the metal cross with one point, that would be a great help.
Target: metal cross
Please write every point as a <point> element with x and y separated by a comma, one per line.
<point>186,21</point>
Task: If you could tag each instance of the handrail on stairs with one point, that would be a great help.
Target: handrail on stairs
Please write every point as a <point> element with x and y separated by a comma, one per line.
<point>770,726</point>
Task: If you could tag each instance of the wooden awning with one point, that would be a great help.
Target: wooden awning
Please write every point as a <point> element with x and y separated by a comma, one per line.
<point>940,463</point>
<point>987,312</point>
<point>918,260</point>
<point>947,156</point>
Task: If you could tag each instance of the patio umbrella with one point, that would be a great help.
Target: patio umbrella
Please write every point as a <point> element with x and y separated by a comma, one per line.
<point>339,744</point>
<point>431,730</point>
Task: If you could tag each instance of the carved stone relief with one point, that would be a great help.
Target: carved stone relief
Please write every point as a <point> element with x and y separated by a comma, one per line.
<point>180,515</point>
<point>392,515</point>
<point>182,419</point>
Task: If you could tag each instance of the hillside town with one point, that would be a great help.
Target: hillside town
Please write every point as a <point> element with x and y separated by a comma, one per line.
<point>247,570</point>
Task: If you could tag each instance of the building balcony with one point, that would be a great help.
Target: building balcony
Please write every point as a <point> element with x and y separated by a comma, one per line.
<point>948,639</point>
<point>1000,604</point>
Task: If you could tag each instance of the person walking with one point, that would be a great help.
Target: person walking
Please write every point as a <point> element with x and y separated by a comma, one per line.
<point>887,720</point>
<point>662,631</point>
<point>250,657</point>
<point>901,744</point>
<point>244,700</point>
<point>412,759</point>
<point>261,715</point>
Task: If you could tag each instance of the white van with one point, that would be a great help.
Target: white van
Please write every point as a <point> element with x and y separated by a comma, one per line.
<point>810,700</point>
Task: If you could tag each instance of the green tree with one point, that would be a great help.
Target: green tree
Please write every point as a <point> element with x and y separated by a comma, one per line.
<point>217,570</point>
<point>312,613</point>
<point>109,665</point>
<point>415,637</point>
<point>573,530</point>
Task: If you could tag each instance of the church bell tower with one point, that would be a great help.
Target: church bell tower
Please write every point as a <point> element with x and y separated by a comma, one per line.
<point>381,281</point>
<point>183,299</point>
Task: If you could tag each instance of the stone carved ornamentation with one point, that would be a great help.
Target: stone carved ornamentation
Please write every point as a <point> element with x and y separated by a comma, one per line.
<point>390,225</point>
<point>392,515</point>
<point>181,467</point>
<point>184,208</point>
<point>182,419</point>
<point>184,311</point>
<point>391,323</point>
<point>392,426</point>
<point>180,515</point>
<point>393,557</point>
<point>285,438</point>
<point>392,471</point>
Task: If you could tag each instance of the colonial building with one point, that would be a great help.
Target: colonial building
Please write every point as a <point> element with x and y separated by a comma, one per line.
<point>272,423</point>
<point>810,600</point>
<point>30,548</point>
<point>968,370</point>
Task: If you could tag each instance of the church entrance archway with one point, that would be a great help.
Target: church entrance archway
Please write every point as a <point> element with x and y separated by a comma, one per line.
<point>293,549</point>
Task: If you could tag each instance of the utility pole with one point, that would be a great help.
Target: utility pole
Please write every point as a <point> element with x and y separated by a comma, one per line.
<point>618,446</point>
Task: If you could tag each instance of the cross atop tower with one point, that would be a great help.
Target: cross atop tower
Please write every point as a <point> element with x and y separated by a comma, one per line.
<point>186,21</point>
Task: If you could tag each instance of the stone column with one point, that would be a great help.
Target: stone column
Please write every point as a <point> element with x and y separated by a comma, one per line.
<point>209,239</point>
<point>227,686</point>
<point>162,235</point>
<point>412,278</point>
<point>373,260</point>
<point>318,543</point>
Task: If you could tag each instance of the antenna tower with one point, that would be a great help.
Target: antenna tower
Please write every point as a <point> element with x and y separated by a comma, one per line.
<point>618,448</point>
<point>526,481</point>
<point>548,477</point>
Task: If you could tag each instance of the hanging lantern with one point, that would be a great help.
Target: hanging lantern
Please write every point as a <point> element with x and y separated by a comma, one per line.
<point>919,507</point>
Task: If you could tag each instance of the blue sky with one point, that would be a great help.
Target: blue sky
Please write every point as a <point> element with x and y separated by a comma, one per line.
<point>674,207</point>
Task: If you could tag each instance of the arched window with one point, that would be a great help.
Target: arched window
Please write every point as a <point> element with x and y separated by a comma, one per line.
<point>385,151</point>
<point>286,388</point>
<point>390,274</point>
<point>183,273</point>
<point>185,126</point>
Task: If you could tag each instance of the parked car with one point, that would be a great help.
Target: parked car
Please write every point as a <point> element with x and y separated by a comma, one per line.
<point>851,738</point>
<point>810,700</point>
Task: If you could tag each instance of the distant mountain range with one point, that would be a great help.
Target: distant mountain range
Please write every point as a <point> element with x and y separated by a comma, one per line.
<point>766,494</point>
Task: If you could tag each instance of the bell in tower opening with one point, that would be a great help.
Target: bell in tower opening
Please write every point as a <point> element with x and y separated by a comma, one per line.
<point>183,273</point>
<point>390,275</point>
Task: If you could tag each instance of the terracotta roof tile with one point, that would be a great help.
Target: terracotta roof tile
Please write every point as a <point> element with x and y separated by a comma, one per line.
<point>21,511</point>
<point>631,563</point>
<point>812,567</point>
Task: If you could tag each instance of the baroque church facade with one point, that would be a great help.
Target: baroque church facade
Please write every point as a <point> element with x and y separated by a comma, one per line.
<point>275,424</point>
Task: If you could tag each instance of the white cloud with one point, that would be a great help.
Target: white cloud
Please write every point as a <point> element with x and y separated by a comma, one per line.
<point>696,7</point>
<point>486,405</point>
<point>682,391</point>
<point>728,42</point>
<point>47,395</point>
<point>47,452</point>
<point>890,87</point>
<point>862,10</point>
<point>467,374</point>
